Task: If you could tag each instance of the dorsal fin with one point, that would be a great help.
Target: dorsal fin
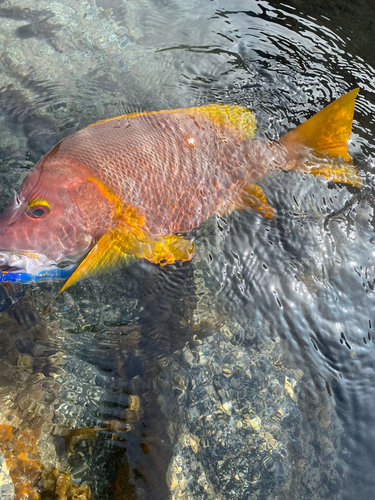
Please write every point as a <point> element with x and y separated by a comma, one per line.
<point>235,117</point>
<point>328,131</point>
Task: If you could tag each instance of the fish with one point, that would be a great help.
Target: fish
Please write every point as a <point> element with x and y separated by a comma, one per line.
<point>136,185</point>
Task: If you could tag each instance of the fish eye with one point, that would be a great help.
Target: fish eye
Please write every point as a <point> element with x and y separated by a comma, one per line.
<point>37,209</point>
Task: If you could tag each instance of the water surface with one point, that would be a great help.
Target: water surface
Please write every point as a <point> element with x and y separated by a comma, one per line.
<point>248,372</point>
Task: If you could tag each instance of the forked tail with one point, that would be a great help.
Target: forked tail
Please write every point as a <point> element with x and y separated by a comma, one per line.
<point>326,132</point>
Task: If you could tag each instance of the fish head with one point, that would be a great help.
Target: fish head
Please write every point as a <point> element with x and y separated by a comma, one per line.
<point>56,217</point>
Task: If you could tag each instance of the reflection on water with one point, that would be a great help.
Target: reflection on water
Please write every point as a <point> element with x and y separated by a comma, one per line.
<point>246,373</point>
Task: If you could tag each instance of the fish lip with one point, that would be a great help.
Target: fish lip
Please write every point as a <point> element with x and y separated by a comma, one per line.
<point>31,263</point>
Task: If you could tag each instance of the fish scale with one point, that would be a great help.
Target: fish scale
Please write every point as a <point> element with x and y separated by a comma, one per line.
<point>176,173</point>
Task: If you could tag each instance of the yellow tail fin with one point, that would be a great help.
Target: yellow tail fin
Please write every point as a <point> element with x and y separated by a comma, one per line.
<point>328,131</point>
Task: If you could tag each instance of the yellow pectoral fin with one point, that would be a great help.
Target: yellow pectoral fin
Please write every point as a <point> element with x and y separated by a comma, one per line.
<point>254,198</point>
<point>119,247</point>
<point>115,248</point>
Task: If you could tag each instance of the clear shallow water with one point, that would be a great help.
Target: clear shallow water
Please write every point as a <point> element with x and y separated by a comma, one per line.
<point>248,372</point>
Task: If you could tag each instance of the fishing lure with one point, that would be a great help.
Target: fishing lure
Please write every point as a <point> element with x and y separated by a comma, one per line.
<point>53,273</point>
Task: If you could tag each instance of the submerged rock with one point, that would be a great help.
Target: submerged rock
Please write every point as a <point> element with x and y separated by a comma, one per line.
<point>6,484</point>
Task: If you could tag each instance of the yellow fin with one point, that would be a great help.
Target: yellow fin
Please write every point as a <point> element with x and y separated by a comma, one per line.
<point>115,248</point>
<point>254,198</point>
<point>328,131</point>
<point>166,250</point>
<point>121,246</point>
<point>346,174</point>
<point>234,117</point>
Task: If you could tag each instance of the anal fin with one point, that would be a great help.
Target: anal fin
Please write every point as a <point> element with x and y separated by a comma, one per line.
<point>253,197</point>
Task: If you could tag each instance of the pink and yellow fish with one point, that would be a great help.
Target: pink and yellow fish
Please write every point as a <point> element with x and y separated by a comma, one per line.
<point>133,186</point>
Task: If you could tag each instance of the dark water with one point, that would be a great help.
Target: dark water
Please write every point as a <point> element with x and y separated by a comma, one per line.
<point>248,372</point>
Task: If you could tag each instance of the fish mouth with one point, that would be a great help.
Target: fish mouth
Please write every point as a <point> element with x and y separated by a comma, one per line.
<point>25,267</point>
<point>24,261</point>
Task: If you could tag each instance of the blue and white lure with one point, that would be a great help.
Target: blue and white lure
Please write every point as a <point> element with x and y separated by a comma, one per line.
<point>53,273</point>
<point>23,267</point>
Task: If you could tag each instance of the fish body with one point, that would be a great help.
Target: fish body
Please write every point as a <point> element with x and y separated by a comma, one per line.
<point>134,186</point>
<point>176,169</point>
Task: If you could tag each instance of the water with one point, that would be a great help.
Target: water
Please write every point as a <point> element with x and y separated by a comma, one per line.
<point>248,372</point>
